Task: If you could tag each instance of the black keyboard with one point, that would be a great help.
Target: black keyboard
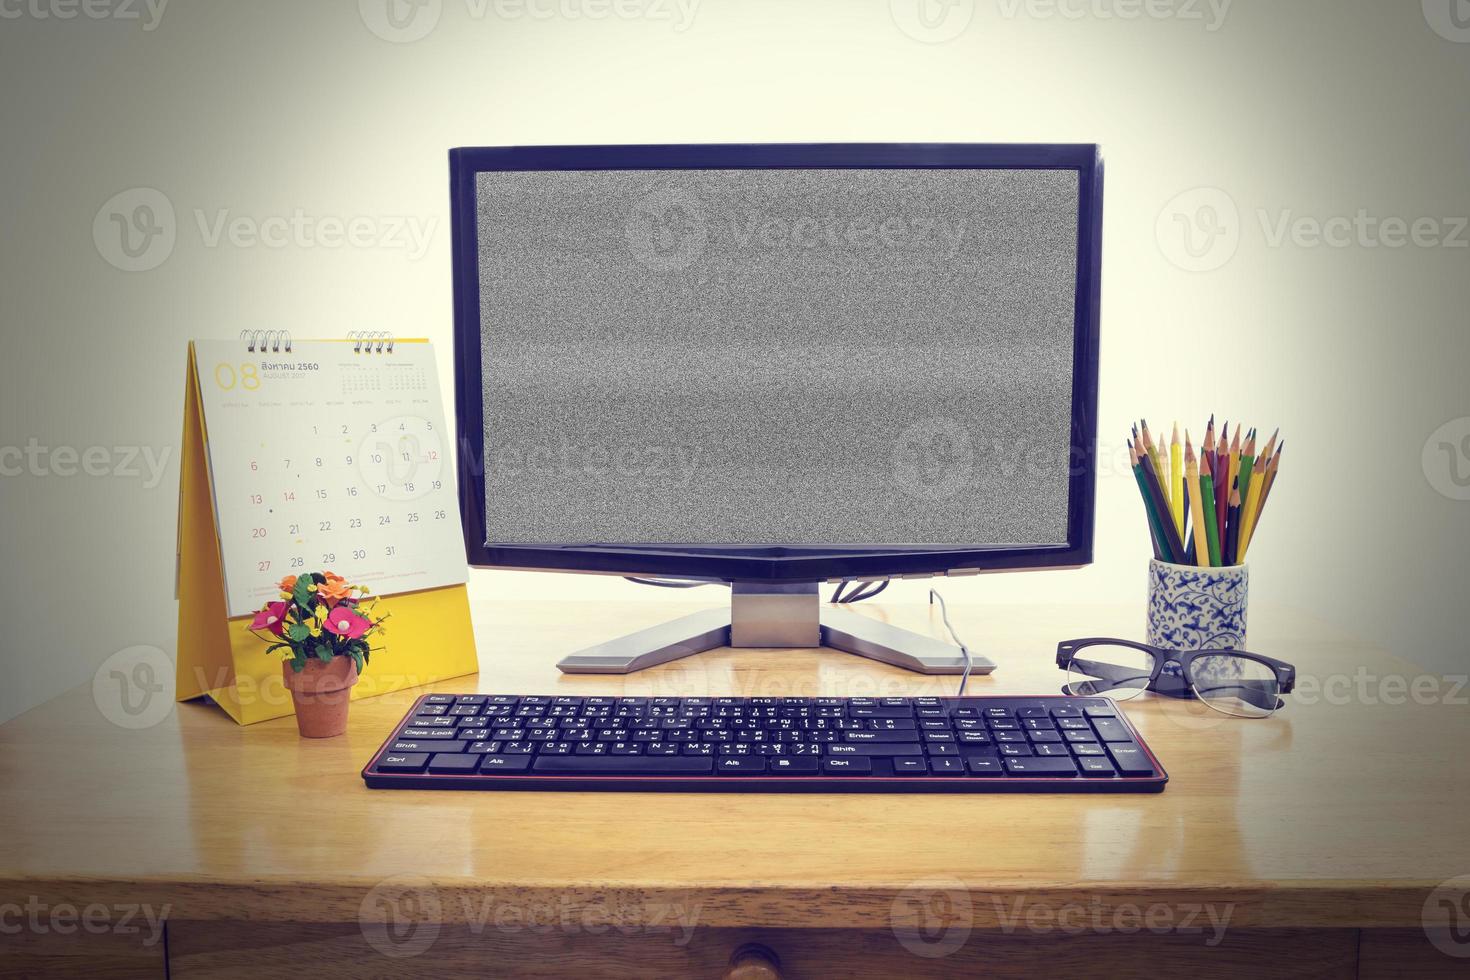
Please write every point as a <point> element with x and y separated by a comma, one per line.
<point>966,744</point>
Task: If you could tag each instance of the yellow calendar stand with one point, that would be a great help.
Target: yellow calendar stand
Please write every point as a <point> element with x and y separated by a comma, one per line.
<point>427,638</point>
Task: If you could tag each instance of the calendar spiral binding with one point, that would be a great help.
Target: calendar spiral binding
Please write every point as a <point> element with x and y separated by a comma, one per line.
<point>275,341</point>
<point>371,341</point>
<point>262,341</point>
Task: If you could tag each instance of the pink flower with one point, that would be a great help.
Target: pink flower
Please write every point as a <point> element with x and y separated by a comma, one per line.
<point>343,621</point>
<point>270,618</point>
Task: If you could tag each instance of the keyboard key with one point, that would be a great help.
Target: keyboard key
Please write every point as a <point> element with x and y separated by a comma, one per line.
<point>443,734</point>
<point>947,767</point>
<point>847,767</point>
<point>890,737</point>
<point>403,762</point>
<point>1102,710</point>
<point>1111,730</point>
<point>1041,767</point>
<point>882,711</point>
<point>984,766</point>
<point>1052,751</point>
<point>492,764</point>
<point>910,767</point>
<point>454,762</point>
<point>1095,768</point>
<point>425,745</point>
<point>1130,759</point>
<point>740,765</point>
<point>793,765</point>
<point>625,765</point>
<point>1082,749</point>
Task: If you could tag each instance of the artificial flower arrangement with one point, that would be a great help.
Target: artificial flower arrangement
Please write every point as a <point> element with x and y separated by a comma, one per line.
<point>327,625</point>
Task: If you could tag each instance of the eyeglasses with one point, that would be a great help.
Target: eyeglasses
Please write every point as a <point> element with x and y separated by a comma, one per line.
<point>1246,685</point>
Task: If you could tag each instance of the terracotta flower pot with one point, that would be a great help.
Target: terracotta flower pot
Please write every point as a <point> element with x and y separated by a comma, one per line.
<point>322,692</point>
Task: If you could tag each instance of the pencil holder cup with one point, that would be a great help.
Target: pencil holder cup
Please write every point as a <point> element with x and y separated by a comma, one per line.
<point>1194,608</point>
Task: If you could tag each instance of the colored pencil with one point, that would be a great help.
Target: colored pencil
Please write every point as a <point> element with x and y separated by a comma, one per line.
<point>1207,460</point>
<point>1152,454</point>
<point>1176,480</point>
<point>1196,505</point>
<point>1232,527</point>
<point>1247,474</point>
<point>1268,479</point>
<point>1220,471</point>
<point>1252,503</point>
<point>1212,530</point>
<point>1155,533</point>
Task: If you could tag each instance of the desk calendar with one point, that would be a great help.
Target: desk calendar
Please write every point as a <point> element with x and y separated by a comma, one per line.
<point>312,456</point>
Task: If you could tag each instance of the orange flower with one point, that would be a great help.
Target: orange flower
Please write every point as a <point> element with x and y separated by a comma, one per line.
<point>333,577</point>
<point>333,592</point>
<point>288,583</point>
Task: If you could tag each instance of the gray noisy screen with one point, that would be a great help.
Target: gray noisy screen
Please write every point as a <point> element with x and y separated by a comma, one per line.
<point>768,357</point>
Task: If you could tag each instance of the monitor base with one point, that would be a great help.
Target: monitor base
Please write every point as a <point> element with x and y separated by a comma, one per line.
<point>773,616</point>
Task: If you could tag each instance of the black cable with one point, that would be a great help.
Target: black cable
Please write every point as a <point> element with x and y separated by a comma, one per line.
<point>860,591</point>
<point>667,583</point>
<point>869,592</point>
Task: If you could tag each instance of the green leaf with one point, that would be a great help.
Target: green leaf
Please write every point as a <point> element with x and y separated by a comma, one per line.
<point>359,660</point>
<point>323,653</point>
<point>298,632</point>
<point>302,594</point>
<point>298,664</point>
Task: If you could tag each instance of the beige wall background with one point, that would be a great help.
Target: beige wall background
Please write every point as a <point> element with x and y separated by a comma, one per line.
<point>1285,244</point>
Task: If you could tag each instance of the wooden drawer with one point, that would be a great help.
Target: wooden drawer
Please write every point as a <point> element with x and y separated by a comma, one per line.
<point>203,950</point>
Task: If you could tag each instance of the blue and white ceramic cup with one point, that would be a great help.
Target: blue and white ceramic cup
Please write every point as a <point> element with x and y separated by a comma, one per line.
<point>1193,608</point>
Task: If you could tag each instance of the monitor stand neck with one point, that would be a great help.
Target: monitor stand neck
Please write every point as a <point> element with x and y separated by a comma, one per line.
<point>771,616</point>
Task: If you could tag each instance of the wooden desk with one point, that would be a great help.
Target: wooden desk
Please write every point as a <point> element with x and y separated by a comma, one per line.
<point>1314,837</point>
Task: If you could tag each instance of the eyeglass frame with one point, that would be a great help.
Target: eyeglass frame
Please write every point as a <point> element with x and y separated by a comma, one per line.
<point>1181,686</point>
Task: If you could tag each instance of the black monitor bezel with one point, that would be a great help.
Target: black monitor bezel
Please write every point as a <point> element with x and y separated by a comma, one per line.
<point>775,563</point>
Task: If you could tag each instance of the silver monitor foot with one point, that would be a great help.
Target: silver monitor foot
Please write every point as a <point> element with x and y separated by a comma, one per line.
<point>773,616</point>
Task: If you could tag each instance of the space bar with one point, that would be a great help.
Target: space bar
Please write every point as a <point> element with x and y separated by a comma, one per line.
<point>624,765</point>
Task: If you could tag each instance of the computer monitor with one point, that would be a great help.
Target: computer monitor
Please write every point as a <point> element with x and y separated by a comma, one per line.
<point>776,365</point>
